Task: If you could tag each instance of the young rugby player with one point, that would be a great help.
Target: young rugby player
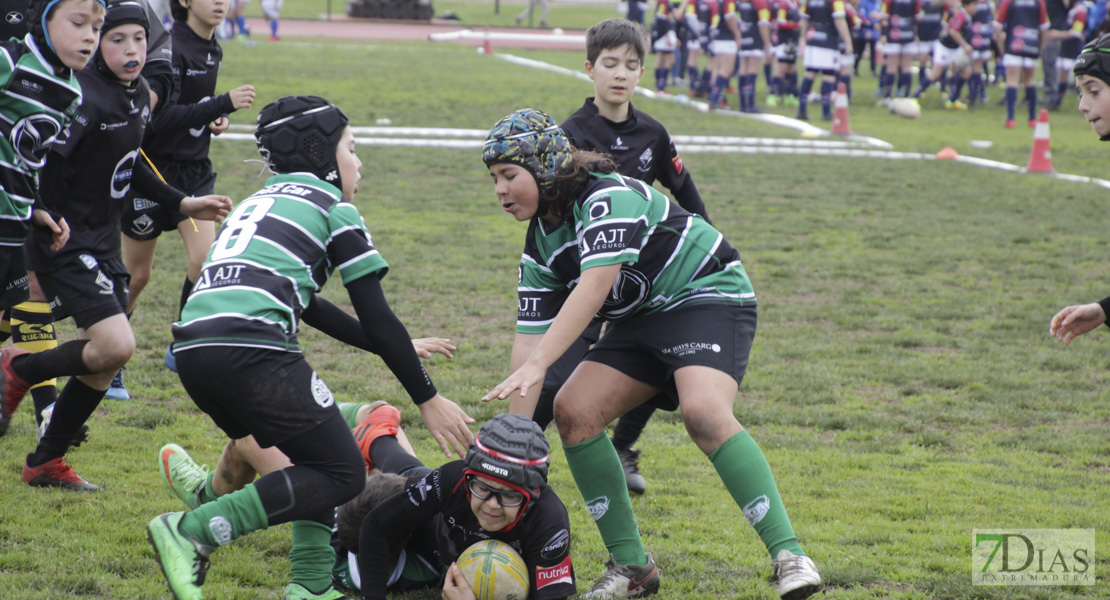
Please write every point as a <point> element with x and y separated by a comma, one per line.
<point>755,48</point>
<point>784,76</point>
<point>46,97</point>
<point>825,42</point>
<point>642,148</point>
<point>1092,81</point>
<point>955,37</point>
<point>1021,27</point>
<point>87,178</point>
<point>900,19</point>
<point>180,133</point>
<point>237,351</point>
<point>1070,47</point>
<point>599,243</point>
<point>664,41</point>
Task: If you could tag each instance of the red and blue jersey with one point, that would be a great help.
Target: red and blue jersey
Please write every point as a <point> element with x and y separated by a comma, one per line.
<point>787,20</point>
<point>901,18</point>
<point>720,12</point>
<point>960,21</point>
<point>822,15</point>
<point>982,26</point>
<point>1023,20</point>
<point>931,23</point>
<point>753,13</point>
<point>1077,25</point>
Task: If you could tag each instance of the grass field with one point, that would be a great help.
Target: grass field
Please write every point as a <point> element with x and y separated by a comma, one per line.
<point>902,385</point>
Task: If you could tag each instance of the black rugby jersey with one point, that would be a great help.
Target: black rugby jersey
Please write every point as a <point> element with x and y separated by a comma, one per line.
<point>642,148</point>
<point>89,173</point>
<point>541,537</point>
<point>179,131</point>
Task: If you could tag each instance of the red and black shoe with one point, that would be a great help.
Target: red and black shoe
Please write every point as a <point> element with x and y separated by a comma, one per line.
<point>55,473</point>
<point>13,386</point>
<point>383,419</point>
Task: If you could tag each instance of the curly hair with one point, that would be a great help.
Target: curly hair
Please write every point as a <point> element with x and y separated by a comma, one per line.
<point>378,488</point>
<point>572,177</point>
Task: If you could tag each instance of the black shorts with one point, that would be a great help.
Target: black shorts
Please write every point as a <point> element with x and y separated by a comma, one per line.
<point>651,348</point>
<point>145,220</point>
<point>87,289</point>
<point>13,275</point>
<point>270,394</point>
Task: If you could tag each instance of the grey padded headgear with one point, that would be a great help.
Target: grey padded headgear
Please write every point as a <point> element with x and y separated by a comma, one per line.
<point>510,448</point>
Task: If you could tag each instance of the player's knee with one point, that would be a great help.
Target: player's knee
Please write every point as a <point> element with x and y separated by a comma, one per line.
<point>349,475</point>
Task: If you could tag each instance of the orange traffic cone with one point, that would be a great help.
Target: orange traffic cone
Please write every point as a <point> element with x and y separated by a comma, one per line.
<point>948,153</point>
<point>487,48</point>
<point>840,114</point>
<point>1040,159</point>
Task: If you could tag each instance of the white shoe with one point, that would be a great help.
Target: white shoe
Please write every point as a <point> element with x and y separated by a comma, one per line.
<point>797,575</point>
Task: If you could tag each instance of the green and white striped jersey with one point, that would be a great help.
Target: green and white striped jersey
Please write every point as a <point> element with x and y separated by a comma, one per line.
<point>36,105</point>
<point>274,251</point>
<point>670,258</point>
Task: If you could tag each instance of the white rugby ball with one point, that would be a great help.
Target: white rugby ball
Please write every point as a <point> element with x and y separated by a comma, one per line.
<point>905,107</point>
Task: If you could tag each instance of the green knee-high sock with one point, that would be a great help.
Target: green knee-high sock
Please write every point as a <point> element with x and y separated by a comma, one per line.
<point>349,410</point>
<point>597,471</point>
<point>207,494</point>
<point>746,474</point>
<point>311,557</point>
<point>229,517</point>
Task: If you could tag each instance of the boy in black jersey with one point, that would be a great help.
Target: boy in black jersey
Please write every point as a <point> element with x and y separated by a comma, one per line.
<point>642,148</point>
<point>88,178</point>
<point>180,132</point>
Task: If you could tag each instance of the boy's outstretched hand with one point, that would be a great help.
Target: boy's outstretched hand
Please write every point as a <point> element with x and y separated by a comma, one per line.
<point>59,229</point>
<point>426,347</point>
<point>1074,321</point>
<point>455,586</point>
<point>206,208</point>
<point>242,96</point>
<point>447,422</point>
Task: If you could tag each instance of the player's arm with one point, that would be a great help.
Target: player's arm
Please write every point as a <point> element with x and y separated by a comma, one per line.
<point>523,346</point>
<point>674,175</point>
<point>340,325</point>
<point>158,69</point>
<point>391,520</point>
<point>584,302</point>
<point>840,21</point>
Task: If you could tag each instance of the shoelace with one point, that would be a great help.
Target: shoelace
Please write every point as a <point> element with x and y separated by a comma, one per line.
<point>191,478</point>
<point>611,573</point>
<point>62,472</point>
<point>787,567</point>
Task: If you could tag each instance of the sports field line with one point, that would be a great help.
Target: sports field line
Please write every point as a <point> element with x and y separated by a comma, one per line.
<point>473,139</point>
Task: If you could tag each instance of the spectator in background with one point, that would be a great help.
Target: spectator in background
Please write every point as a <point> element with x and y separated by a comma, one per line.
<point>527,14</point>
<point>1057,21</point>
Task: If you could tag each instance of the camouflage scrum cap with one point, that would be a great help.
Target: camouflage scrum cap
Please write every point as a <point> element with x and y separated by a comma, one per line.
<point>529,138</point>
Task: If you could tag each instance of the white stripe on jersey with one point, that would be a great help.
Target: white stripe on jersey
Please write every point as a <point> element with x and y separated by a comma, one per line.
<point>231,316</point>
<point>244,288</point>
<point>543,268</point>
<point>712,253</point>
<point>237,345</point>
<point>344,229</point>
<point>677,248</point>
<point>356,259</point>
<point>298,227</point>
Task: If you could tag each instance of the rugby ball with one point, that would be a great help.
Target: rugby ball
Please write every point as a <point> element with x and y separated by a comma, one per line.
<point>494,571</point>
<point>905,107</point>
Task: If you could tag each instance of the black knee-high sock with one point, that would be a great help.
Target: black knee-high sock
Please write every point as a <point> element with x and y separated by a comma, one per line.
<point>390,457</point>
<point>63,360</point>
<point>75,405</point>
<point>631,425</point>
<point>186,289</point>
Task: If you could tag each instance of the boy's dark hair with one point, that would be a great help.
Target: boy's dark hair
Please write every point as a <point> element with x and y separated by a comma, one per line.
<point>178,12</point>
<point>378,488</point>
<point>572,178</point>
<point>614,33</point>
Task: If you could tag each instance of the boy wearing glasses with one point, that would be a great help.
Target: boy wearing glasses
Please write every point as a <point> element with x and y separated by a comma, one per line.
<point>410,523</point>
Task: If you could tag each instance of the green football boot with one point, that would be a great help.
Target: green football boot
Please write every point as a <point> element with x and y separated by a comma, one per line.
<point>184,561</point>
<point>182,474</point>
<point>296,591</point>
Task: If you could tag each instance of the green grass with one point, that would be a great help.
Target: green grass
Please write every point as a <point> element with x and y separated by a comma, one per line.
<point>902,384</point>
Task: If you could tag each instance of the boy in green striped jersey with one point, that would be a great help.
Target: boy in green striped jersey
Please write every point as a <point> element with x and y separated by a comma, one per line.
<point>238,355</point>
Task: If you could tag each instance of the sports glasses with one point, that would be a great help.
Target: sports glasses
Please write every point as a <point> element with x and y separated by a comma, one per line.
<point>481,491</point>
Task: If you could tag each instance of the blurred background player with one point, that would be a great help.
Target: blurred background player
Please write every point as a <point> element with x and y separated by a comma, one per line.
<point>900,18</point>
<point>929,29</point>
<point>180,134</point>
<point>755,48</point>
<point>953,40</point>
<point>847,53</point>
<point>1020,29</point>
<point>664,41</point>
<point>868,37</point>
<point>784,75</point>
<point>824,27</point>
<point>1070,48</point>
<point>695,15</point>
<point>271,10</point>
<point>642,148</point>
<point>982,37</point>
<point>724,42</point>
